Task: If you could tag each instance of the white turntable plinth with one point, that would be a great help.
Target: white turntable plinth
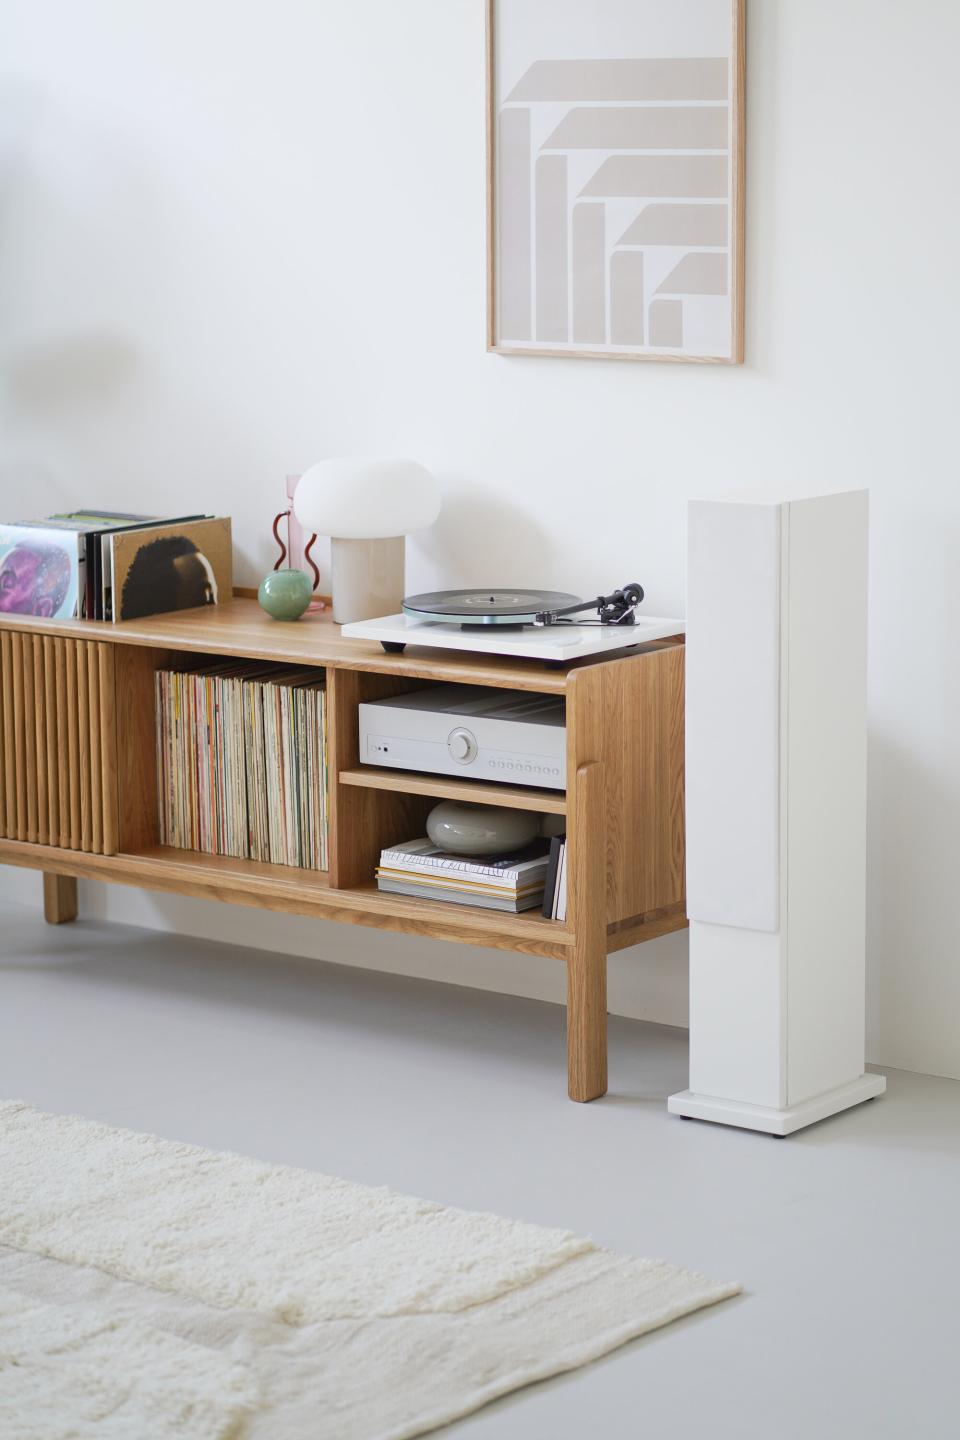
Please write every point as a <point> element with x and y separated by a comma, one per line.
<point>548,642</point>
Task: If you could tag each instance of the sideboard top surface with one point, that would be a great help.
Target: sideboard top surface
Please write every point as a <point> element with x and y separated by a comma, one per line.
<point>240,627</point>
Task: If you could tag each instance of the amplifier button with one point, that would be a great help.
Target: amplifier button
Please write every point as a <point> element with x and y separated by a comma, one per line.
<point>462,746</point>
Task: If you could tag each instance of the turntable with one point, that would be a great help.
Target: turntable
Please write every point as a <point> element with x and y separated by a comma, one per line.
<point>536,624</point>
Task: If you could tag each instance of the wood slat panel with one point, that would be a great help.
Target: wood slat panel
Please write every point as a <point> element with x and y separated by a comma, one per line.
<point>83,746</point>
<point>108,748</point>
<point>63,774</point>
<point>38,718</point>
<point>73,743</point>
<point>19,733</point>
<point>30,737</point>
<point>58,773</point>
<point>52,739</point>
<point>6,772</point>
<point>96,767</point>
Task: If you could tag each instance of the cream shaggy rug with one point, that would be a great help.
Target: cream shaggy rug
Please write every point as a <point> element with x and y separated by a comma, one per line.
<point>150,1289</point>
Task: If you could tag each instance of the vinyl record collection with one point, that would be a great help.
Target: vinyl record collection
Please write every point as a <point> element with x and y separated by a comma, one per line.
<point>242,762</point>
<point>113,565</point>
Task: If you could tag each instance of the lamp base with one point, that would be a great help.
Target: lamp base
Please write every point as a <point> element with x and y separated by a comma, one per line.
<point>367,578</point>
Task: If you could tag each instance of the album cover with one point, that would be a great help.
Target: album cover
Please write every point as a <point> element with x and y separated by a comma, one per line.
<point>103,556</point>
<point>173,567</point>
<point>39,571</point>
<point>90,525</point>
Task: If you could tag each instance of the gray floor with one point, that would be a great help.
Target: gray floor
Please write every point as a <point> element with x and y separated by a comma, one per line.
<point>845,1237</point>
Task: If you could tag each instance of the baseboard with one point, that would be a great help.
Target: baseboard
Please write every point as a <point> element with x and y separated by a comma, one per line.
<point>647,982</point>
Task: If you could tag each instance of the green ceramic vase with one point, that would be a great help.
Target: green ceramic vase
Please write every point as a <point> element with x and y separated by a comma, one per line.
<point>285,594</point>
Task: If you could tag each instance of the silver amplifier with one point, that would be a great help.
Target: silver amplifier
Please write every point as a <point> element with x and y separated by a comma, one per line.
<point>513,736</point>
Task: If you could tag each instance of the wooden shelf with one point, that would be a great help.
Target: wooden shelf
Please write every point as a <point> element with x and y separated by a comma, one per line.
<point>300,892</point>
<point>240,627</point>
<point>406,782</point>
<point>527,932</point>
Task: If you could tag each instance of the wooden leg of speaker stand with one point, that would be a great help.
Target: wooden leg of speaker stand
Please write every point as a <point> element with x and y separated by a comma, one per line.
<point>587,958</point>
<point>59,898</point>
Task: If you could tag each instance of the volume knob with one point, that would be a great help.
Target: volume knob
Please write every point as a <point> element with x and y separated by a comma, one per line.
<point>462,746</point>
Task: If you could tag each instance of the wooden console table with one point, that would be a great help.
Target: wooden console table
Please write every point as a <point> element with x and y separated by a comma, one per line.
<point>78,788</point>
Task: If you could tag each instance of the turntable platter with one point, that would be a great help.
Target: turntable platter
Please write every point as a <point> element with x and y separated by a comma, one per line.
<point>486,607</point>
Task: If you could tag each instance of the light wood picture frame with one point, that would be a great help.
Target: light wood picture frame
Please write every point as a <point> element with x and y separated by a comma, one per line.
<point>615,194</point>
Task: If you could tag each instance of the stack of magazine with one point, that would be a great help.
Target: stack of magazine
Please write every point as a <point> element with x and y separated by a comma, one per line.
<point>111,565</point>
<point>511,882</point>
<point>242,762</point>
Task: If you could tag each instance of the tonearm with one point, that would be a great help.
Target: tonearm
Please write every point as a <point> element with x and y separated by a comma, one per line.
<point>614,609</point>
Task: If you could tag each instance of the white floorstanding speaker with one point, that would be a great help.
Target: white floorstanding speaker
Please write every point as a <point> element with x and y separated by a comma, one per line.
<point>776,761</point>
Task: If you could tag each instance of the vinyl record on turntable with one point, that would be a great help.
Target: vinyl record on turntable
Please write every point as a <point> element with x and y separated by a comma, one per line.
<point>486,607</point>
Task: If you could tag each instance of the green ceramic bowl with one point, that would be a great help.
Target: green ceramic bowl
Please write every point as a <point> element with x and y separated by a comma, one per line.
<point>285,594</point>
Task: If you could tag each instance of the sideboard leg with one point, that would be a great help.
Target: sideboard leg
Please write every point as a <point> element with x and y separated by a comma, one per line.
<point>587,1020</point>
<point>59,898</point>
<point>587,956</point>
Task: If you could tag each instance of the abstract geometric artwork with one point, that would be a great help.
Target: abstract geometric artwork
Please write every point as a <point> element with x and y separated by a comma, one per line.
<point>615,148</point>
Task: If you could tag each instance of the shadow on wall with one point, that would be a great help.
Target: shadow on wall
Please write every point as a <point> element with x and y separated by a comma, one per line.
<point>913,863</point>
<point>49,377</point>
<point>913,817</point>
<point>62,371</point>
<point>48,382</point>
<point>474,543</point>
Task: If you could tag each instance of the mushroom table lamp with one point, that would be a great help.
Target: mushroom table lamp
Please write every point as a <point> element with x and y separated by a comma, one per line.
<point>367,506</point>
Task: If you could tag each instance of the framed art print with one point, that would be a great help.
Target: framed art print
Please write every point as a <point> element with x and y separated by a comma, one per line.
<point>615,178</point>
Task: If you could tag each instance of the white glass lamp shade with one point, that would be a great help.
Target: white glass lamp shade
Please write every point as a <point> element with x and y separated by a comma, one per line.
<point>366,506</point>
<point>365,498</point>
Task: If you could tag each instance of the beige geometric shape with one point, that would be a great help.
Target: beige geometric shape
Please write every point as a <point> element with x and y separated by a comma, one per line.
<point>678,225</point>
<point>589,275</point>
<point>666,323</point>
<point>513,225</point>
<point>701,273</point>
<point>550,245</point>
<point>699,177</point>
<point>703,78</point>
<point>626,297</point>
<point>641,127</point>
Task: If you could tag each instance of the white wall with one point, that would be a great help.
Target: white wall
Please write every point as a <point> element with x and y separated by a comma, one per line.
<point>239,236</point>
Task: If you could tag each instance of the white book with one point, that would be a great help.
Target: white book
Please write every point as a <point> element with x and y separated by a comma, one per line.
<point>561,897</point>
<point>423,855</point>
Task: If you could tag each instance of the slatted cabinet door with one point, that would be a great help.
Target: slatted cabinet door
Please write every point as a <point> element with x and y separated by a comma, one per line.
<point>57,742</point>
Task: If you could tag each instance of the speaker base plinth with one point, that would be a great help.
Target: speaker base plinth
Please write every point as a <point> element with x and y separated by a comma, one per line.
<point>774,1121</point>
